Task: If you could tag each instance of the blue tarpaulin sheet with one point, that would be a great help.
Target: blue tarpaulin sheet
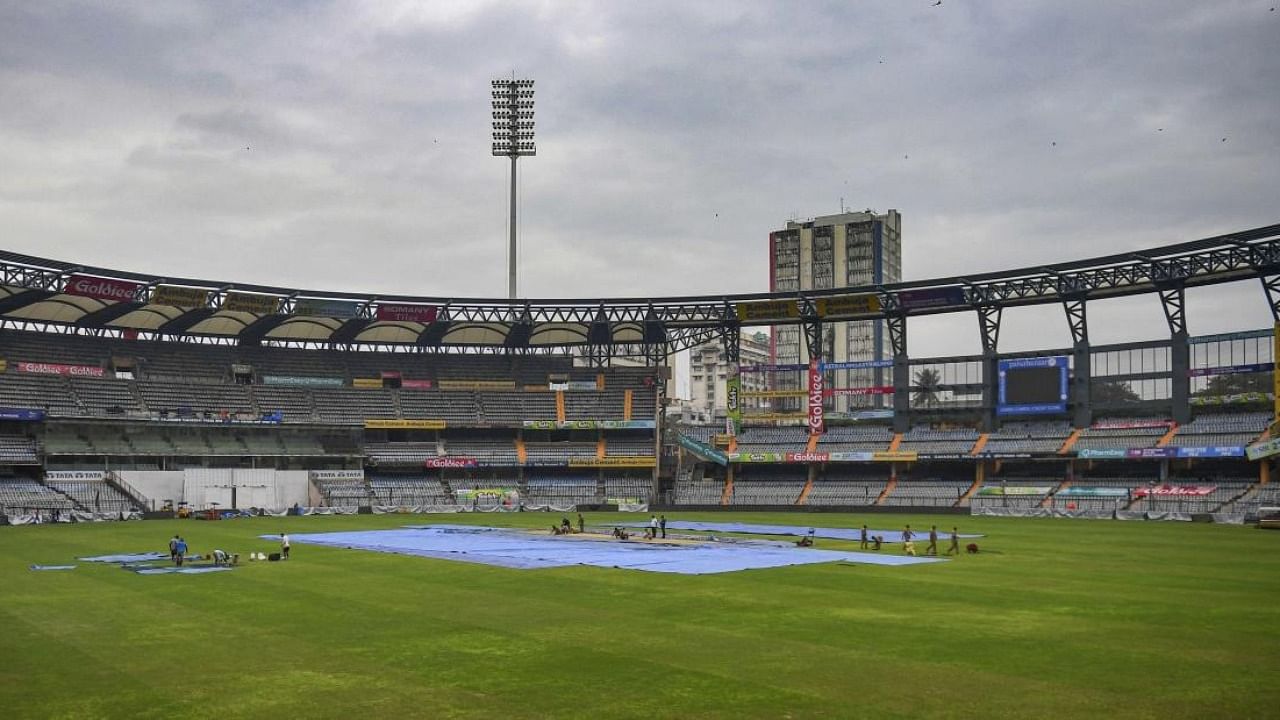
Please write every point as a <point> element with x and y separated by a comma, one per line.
<point>890,536</point>
<point>127,558</point>
<point>178,570</point>
<point>53,567</point>
<point>525,550</point>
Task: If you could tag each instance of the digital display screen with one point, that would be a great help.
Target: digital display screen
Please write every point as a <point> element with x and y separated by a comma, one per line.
<point>1033,386</point>
<point>1025,386</point>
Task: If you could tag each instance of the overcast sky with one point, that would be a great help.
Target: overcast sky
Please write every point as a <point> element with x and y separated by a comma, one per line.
<point>345,145</point>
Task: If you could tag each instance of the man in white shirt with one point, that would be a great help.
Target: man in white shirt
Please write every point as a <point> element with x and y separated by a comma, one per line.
<point>653,526</point>
<point>284,546</point>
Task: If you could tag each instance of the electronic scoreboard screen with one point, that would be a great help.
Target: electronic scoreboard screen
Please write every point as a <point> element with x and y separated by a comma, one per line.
<point>1033,386</point>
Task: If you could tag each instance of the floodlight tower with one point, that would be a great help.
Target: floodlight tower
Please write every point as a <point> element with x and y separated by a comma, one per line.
<point>513,138</point>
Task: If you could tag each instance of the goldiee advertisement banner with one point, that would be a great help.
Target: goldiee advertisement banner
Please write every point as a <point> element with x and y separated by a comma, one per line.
<point>767,310</point>
<point>22,414</point>
<point>815,398</point>
<point>849,305</point>
<point>807,457</point>
<point>930,297</point>
<point>394,312</point>
<point>251,303</point>
<point>733,401</point>
<point>1175,490</point>
<point>337,309</point>
<point>457,461</point>
<point>101,288</point>
<point>614,462</point>
<point>1016,490</point>
<point>177,296</point>
<point>702,451</point>
<point>297,381</point>
<point>56,369</point>
<point>877,456</point>
<point>1102,492</point>
<point>877,390</point>
<point>381,424</point>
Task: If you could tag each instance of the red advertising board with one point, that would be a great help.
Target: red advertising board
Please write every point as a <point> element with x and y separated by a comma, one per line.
<point>100,288</point>
<point>55,369</point>
<point>807,457</point>
<point>1176,490</point>
<point>415,384</point>
<point>876,390</point>
<point>1129,424</point>
<point>407,313</point>
<point>815,398</point>
<point>451,462</point>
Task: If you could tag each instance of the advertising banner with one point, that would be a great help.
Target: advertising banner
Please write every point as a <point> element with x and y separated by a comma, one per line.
<point>183,297</point>
<point>774,393</point>
<point>877,390</point>
<point>451,462</point>
<point>296,381</point>
<point>815,398</point>
<point>895,456</point>
<point>614,462</point>
<point>393,312</point>
<point>760,457</point>
<point>1232,369</point>
<point>1102,492</point>
<point>1149,453</point>
<point>83,475</point>
<point>476,384</point>
<point>1216,451</point>
<point>702,451</point>
<point>250,303</point>
<point>366,383</point>
<point>581,385</point>
<point>22,414</point>
<point>1232,399</point>
<point>538,424</point>
<point>857,365</point>
<point>315,307</point>
<point>1263,449</point>
<point>885,414</point>
<point>807,457</point>
<point>1101,454</point>
<point>866,304</point>
<point>588,424</point>
<point>930,297</point>
<point>733,401</point>
<point>1015,490</point>
<point>380,424</point>
<point>56,369</point>
<point>849,456</point>
<point>767,310</point>
<point>415,384</point>
<point>1175,490</point>
<point>626,424</point>
<point>101,288</point>
<point>775,416</point>
<point>337,475</point>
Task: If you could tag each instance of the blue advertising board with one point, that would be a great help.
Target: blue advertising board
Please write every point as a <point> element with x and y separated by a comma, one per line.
<point>1005,407</point>
<point>24,414</point>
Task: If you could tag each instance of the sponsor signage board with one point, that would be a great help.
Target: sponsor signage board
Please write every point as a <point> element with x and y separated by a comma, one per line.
<point>866,304</point>
<point>415,384</point>
<point>85,475</point>
<point>930,298</point>
<point>396,312</point>
<point>1103,492</point>
<point>774,393</point>
<point>876,456</point>
<point>1232,369</point>
<point>476,384</point>
<point>390,424</point>
<point>807,457</point>
<point>1014,490</point>
<point>1215,451</point>
<point>22,414</point>
<point>617,462</point>
<point>1175,490</point>
<point>57,369</point>
<point>1232,399</point>
<point>1150,453</point>
<point>177,296</point>
<point>1101,454</point>
<point>877,390</point>
<point>857,365</point>
<point>1263,449</point>
<point>760,457</point>
<point>251,303</point>
<point>773,368</point>
<point>587,424</point>
<point>767,310</point>
<point>733,401</point>
<point>316,307</point>
<point>1129,424</point>
<point>457,461</point>
<point>101,288</point>
<point>337,475</point>
<point>298,381</point>
<point>366,383</point>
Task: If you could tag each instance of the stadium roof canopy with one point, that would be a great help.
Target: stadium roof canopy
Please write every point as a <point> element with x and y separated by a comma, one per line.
<point>53,292</point>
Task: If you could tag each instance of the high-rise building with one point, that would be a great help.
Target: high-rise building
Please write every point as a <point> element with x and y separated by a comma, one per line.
<point>852,249</point>
<point>708,369</point>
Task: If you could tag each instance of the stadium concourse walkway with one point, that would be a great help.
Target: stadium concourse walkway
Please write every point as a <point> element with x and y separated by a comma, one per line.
<point>522,549</point>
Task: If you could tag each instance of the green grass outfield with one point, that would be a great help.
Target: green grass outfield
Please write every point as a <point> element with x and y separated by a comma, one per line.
<point>1061,619</point>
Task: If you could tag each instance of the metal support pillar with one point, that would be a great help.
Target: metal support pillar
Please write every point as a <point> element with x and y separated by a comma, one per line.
<point>813,339</point>
<point>1271,286</point>
<point>897,324</point>
<point>1173,300</point>
<point>989,327</point>
<point>1077,321</point>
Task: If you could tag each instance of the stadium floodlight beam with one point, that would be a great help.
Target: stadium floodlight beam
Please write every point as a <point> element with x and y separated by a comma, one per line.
<point>513,138</point>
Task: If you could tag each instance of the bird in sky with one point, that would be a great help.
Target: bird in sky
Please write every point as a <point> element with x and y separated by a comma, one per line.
<point>937,3</point>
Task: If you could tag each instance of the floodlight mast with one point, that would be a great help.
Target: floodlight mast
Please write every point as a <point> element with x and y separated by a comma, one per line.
<point>513,138</point>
